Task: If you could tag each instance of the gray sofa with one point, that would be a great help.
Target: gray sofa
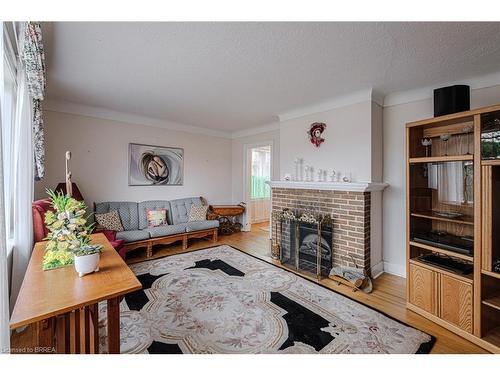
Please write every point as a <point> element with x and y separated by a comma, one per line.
<point>136,233</point>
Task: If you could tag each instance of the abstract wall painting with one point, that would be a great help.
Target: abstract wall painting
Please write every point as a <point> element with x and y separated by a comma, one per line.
<point>155,165</point>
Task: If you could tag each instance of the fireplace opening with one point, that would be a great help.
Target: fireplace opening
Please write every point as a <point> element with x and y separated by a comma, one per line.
<point>306,243</point>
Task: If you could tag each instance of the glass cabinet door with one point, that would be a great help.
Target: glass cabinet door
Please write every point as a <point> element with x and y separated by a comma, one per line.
<point>490,135</point>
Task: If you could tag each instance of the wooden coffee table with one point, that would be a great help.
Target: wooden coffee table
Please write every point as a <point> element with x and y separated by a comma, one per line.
<point>62,307</point>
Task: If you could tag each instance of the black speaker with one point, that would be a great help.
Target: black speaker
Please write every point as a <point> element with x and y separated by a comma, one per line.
<point>451,99</point>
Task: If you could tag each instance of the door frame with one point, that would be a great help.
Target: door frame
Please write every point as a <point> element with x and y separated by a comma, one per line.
<point>247,147</point>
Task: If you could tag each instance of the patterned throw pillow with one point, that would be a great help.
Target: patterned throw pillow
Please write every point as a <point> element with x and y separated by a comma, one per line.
<point>198,213</point>
<point>157,218</point>
<point>110,221</point>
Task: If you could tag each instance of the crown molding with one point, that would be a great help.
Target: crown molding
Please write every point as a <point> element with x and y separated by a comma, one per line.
<point>392,99</point>
<point>336,102</point>
<point>424,93</point>
<point>256,130</point>
<point>108,114</point>
<point>377,97</point>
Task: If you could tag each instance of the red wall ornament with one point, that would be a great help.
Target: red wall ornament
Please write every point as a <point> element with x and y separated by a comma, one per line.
<point>315,132</point>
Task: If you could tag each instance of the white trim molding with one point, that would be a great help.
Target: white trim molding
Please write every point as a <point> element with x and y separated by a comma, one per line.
<point>377,270</point>
<point>370,94</point>
<point>108,114</point>
<point>424,93</point>
<point>333,186</point>
<point>395,269</point>
<point>247,225</point>
<point>337,102</point>
<point>257,130</point>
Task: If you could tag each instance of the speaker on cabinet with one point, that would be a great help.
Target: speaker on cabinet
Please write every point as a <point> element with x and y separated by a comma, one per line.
<point>451,99</point>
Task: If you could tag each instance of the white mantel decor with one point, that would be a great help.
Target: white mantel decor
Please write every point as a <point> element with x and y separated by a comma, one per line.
<point>333,186</point>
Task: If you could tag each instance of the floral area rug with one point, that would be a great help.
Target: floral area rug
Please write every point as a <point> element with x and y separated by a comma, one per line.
<point>221,300</point>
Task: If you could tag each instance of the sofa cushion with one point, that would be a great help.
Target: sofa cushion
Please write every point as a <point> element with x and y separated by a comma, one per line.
<point>157,218</point>
<point>128,212</point>
<point>167,230</point>
<point>193,226</point>
<point>143,208</point>
<point>198,213</point>
<point>132,235</point>
<point>180,208</point>
<point>110,221</point>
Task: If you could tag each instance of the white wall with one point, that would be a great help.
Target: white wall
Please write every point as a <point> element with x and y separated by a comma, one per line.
<point>99,161</point>
<point>377,146</point>
<point>347,147</point>
<point>353,145</point>
<point>214,165</point>
<point>395,119</point>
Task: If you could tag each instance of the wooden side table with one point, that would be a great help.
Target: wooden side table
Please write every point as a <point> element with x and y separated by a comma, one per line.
<point>63,308</point>
<point>226,214</point>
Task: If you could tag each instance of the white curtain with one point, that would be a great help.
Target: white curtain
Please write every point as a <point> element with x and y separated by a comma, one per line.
<point>16,178</point>
<point>448,179</point>
<point>21,185</point>
<point>4,282</point>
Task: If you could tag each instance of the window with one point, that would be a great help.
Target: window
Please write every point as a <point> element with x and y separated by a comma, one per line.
<point>261,172</point>
<point>8,103</point>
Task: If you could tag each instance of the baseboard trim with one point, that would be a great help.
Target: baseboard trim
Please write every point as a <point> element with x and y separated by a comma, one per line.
<point>395,269</point>
<point>377,269</point>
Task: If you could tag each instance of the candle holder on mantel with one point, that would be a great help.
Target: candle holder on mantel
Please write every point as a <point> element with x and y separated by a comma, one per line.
<point>332,176</point>
<point>320,175</point>
<point>299,169</point>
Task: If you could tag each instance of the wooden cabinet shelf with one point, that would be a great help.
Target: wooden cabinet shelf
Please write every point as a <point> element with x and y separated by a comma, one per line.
<point>467,220</point>
<point>490,162</point>
<point>437,159</point>
<point>493,336</point>
<point>465,278</point>
<point>442,251</point>
<point>491,274</point>
<point>493,302</point>
<point>439,176</point>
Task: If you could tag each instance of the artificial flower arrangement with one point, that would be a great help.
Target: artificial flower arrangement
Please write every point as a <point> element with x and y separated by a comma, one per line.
<point>69,233</point>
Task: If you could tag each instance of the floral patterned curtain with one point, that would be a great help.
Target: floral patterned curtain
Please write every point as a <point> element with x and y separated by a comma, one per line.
<point>33,57</point>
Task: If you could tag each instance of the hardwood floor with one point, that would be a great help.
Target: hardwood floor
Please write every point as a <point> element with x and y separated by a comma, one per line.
<point>388,295</point>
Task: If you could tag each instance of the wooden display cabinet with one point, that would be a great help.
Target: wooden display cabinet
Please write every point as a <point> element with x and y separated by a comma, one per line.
<point>453,215</point>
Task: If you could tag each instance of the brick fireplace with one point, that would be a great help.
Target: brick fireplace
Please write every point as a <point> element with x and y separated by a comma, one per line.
<point>350,207</point>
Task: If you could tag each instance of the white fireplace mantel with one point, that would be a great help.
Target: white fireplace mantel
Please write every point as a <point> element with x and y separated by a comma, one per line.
<point>333,186</point>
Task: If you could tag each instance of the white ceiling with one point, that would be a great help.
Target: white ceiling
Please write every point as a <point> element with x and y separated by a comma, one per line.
<point>234,76</point>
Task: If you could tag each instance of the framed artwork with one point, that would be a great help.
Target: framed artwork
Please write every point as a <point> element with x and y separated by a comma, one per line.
<point>155,165</point>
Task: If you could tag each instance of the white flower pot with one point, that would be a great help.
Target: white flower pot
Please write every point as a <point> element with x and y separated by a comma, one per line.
<point>87,264</point>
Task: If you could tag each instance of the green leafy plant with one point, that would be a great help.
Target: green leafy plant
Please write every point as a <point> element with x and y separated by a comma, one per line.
<point>69,232</point>
<point>87,250</point>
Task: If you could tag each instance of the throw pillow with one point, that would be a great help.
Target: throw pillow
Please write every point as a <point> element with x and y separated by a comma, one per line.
<point>198,213</point>
<point>157,218</point>
<point>110,221</point>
